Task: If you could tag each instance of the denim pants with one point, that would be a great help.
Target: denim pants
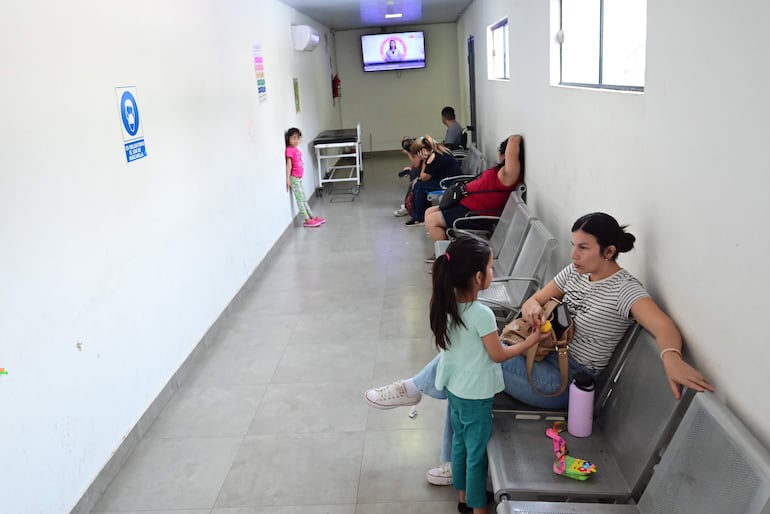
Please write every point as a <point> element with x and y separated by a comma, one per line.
<point>472,425</point>
<point>421,190</point>
<point>545,375</point>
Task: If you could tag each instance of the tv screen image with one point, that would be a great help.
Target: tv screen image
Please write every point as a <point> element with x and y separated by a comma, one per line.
<point>394,51</point>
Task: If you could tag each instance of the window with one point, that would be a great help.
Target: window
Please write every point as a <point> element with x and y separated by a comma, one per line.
<point>497,45</point>
<point>603,43</point>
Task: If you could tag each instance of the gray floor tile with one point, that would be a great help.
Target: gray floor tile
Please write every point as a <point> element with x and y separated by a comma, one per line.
<point>214,411</point>
<point>335,362</point>
<point>171,474</point>
<point>175,511</point>
<point>311,407</point>
<point>249,327</point>
<point>436,507</point>
<point>290,509</point>
<point>401,358</point>
<point>309,469</point>
<point>394,467</point>
<point>237,364</point>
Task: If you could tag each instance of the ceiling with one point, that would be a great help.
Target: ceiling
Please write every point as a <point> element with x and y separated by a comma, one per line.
<point>357,14</point>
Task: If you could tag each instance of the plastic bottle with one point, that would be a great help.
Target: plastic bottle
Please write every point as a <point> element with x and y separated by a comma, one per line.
<point>580,413</point>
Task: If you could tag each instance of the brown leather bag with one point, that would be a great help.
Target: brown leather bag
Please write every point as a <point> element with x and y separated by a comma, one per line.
<point>517,330</point>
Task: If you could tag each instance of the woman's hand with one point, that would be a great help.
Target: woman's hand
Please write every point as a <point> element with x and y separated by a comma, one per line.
<point>533,313</point>
<point>679,373</point>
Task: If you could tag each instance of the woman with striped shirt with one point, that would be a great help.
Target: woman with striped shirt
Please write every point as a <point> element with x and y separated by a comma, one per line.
<point>604,300</point>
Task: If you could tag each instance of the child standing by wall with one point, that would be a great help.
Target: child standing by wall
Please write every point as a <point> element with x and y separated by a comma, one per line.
<point>469,369</point>
<point>294,171</point>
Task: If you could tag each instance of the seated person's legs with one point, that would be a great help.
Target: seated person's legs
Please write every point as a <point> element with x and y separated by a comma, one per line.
<point>421,190</point>
<point>438,220</point>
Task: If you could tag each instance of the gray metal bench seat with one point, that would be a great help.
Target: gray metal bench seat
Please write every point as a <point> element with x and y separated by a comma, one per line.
<point>637,419</point>
<point>712,465</point>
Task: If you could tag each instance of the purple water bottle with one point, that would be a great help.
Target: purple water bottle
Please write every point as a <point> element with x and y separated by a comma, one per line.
<point>580,414</point>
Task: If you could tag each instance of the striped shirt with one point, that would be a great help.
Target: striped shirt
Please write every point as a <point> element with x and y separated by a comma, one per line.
<point>601,312</point>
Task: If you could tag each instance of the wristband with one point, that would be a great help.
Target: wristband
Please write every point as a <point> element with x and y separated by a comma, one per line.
<point>669,350</point>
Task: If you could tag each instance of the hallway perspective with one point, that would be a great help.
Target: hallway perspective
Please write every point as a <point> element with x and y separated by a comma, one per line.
<point>273,418</point>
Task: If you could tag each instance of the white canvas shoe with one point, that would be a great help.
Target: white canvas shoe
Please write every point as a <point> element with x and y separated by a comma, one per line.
<point>391,396</point>
<point>441,475</point>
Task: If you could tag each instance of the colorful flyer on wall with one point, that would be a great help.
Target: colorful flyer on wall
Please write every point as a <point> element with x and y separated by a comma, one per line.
<point>296,95</point>
<point>259,72</point>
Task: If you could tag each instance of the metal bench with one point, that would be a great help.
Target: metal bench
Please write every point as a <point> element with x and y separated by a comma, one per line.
<point>712,465</point>
<point>637,419</point>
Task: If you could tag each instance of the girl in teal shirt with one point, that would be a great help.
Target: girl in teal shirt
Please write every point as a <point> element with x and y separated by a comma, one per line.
<point>469,369</point>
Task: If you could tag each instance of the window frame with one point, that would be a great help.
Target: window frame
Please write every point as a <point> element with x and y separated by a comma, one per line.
<point>599,85</point>
<point>500,24</point>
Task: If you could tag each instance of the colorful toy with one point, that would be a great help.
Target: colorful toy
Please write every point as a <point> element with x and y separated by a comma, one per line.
<point>564,464</point>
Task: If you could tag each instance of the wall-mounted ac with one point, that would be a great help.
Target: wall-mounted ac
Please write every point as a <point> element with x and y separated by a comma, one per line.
<point>304,37</point>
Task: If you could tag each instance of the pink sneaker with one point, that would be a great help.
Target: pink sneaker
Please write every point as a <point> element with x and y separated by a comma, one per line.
<point>312,222</point>
<point>319,218</point>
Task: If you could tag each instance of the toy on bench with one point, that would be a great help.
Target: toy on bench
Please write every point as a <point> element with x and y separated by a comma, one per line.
<point>564,464</point>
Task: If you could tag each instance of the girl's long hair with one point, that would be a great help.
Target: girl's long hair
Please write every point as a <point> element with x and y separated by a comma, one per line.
<point>427,143</point>
<point>454,272</point>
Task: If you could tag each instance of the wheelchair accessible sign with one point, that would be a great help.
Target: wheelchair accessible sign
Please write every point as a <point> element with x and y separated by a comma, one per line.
<point>131,123</point>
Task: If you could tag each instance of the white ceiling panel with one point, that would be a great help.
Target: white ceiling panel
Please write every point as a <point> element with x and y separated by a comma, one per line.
<point>356,14</point>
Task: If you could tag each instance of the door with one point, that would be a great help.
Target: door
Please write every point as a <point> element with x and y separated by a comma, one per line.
<point>472,89</point>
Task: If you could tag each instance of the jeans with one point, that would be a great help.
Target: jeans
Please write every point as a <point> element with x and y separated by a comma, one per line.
<point>545,375</point>
<point>421,190</point>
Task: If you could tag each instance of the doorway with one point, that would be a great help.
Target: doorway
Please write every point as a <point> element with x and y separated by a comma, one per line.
<point>472,90</point>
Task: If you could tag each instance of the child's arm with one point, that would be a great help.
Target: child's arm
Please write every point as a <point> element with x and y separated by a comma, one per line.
<point>500,353</point>
<point>288,173</point>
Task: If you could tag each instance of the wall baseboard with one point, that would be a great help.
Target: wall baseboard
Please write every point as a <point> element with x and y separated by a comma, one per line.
<point>113,466</point>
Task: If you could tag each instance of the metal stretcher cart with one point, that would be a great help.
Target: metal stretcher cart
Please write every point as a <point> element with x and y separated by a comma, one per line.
<point>335,161</point>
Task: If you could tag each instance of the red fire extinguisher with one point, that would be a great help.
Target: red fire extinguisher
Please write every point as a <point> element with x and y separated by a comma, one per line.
<point>336,87</point>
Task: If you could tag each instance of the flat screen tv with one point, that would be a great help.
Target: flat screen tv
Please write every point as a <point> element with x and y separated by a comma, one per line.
<point>393,51</point>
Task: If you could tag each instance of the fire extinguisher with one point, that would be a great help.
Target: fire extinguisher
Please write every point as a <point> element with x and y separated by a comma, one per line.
<point>336,87</point>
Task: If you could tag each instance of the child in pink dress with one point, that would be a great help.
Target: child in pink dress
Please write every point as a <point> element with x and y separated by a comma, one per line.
<point>294,171</point>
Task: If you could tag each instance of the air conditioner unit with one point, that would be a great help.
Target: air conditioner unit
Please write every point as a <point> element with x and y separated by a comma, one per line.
<point>304,37</point>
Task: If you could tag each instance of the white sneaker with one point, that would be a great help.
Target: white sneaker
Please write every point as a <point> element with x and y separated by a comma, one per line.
<point>391,396</point>
<point>441,475</point>
<point>401,211</point>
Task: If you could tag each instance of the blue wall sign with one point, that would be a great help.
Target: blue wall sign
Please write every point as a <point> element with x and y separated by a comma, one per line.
<point>131,123</point>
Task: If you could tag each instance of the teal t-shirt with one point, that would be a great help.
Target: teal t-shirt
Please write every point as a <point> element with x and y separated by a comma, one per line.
<point>466,369</point>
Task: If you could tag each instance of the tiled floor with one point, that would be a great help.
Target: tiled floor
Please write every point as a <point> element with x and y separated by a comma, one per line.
<point>274,420</point>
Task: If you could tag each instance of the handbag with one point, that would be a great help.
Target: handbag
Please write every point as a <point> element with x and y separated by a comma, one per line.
<point>560,335</point>
<point>453,195</point>
<point>459,190</point>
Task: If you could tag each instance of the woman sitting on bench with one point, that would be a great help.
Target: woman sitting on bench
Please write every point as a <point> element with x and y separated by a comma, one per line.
<point>498,182</point>
<point>604,300</point>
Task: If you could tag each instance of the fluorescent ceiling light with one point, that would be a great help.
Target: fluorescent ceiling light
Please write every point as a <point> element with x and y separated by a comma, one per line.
<point>396,15</point>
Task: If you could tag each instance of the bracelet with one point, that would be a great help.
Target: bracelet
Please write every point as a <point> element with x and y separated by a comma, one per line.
<point>670,350</point>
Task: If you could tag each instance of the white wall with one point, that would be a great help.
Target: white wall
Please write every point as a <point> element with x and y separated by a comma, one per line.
<point>134,261</point>
<point>390,104</point>
<point>685,164</point>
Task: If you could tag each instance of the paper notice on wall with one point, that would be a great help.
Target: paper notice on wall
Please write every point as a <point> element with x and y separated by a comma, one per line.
<point>259,72</point>
<point>296,95</point>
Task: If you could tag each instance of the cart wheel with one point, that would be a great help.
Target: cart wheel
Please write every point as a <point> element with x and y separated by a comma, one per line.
<point>355,190</point>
